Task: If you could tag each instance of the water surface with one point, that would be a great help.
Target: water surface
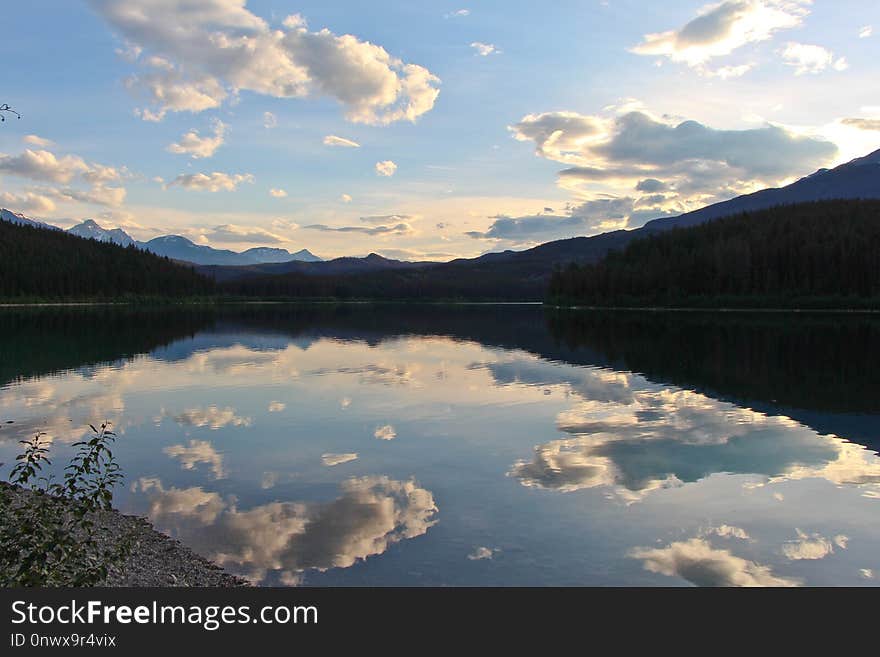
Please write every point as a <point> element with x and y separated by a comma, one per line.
<point>474,445</point>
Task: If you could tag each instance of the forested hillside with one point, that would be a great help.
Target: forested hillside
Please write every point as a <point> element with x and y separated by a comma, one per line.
<point>813,254</point>
<point>37,263</point>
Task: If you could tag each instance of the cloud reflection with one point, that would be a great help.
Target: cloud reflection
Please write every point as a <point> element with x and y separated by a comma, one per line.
<point>280,540</point>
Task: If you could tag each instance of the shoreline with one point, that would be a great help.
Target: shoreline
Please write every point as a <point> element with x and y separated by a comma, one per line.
<point>155,559</point>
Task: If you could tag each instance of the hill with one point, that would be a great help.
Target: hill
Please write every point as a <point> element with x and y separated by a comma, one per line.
<point>47,264</point>
<point>822,254</point>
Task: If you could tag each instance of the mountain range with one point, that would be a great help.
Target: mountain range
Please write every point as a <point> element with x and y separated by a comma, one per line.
<point>531,268</point>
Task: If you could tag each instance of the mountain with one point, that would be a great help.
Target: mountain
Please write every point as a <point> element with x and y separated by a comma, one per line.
<point>336,267</point>
<point>178,247</point>
<point>267,254</point>
<point>21,220</point>
<point>88,229</point>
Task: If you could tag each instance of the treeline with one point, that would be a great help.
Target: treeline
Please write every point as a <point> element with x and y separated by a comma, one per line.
<point>823,254</point>
<point>43,264</point>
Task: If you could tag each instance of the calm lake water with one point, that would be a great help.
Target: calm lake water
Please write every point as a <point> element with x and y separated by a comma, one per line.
<point>474,445</point>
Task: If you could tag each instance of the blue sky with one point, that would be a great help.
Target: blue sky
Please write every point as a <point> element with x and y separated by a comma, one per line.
<point>208,118</point>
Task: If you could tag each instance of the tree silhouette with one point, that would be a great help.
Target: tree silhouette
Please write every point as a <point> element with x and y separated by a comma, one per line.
<point>6,108</point>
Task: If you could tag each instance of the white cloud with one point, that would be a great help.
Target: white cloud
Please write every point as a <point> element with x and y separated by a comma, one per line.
<point>238,234</point>
<point>210,182</point>
<point>719,29</point>
<point>35,140</point>
<point>277,193</point>
<point>863,124</point>
<point>28,202</point>
<point>337,459</point>
<point>485,49</point>
<point>699,563</point>
<point>386,432</point>
<point>806,58</point>
<point>729,531</point>
<point>277,406</point>
<point>386,168</point>
<point>401,228</point>
<point>333,140</point>
<point>196,55</point>
<point>458,13</point>
<point>212,417</point>
<point>481,553</point>
<point>812,546</point>
<point>866,32</point>
<point>197,146</point>
<point>345,198</point>
<point>269,120</point>
<point>198,451</point>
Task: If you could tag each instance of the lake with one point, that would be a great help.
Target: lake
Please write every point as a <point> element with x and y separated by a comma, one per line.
<point>477,445</point>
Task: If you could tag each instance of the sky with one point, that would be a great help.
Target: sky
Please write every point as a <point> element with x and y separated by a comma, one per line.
<point>422,130</point>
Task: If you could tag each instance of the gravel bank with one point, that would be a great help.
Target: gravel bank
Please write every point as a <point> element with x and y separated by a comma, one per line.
<point>155,559</point>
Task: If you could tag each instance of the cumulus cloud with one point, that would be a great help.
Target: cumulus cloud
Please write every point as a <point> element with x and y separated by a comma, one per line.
<point>401,228</point>
<point>485,49</point>
<point>386,432</point>
<point>345,198</point>
<point>691,163</point>
<point>277,193</point>
<point>197,55</point>
<point>333,140</point>
<point>866,31</point>
<point>28,202</point>
<point>212,417</point>
<point>210,182</point>
<point>807,58</point>
<point>277,406</point>
<point>196,452</point>
<point>193,144</point>
<point>45,166</point>
<point>269,120</point>
<point>696,561</point>
<point>337,459</point>
<point>812,546</point>
<point>719,29</point>
<point>481,553</point>
<point>386,168</point>
<point>458,13</point>
<point>278,541</point>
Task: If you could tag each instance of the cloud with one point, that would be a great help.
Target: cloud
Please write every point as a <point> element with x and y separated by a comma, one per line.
<point>197,55</point>
<point>277,193</point>
<point>386,168</point>
<point>386,218</point>
<point>812,546</point>
<point>35,140</point>
<point>866,32</point>
<point>198,451</point>
<point>234,234</point>
<point>386,432</point>
<point>28,202</point>
<point>396,229</point>
<point>269,120</point>
<point>481,553</point>
<point>210,182</point>
<point>458,13</point>
<point>696,561</point>
<point>277,406</point>
<point>729,531</point>
<point>345,198</point>
<point>45,166</point>
<point>280,540</point>
<point>337,459</point>
<point>604,214</point>
<point>719,29</point>
<point>97,195</point>
<point>197,146</point>
<point>333,140</point>
<point>806,58</point>
<point>485,49</point>
<point>212,417</point>
<point>863,124</point>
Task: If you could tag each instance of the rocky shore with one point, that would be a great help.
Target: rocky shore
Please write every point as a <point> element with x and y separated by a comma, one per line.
<point>154,558</point>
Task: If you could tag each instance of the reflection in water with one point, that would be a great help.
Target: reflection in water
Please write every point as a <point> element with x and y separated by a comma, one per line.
<point>286,442</point>
<point>283,539</point>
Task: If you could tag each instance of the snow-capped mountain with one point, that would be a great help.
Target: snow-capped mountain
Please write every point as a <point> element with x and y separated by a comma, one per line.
<point>175,247</point>
<point>92,231</point>
<point>21,220</point>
